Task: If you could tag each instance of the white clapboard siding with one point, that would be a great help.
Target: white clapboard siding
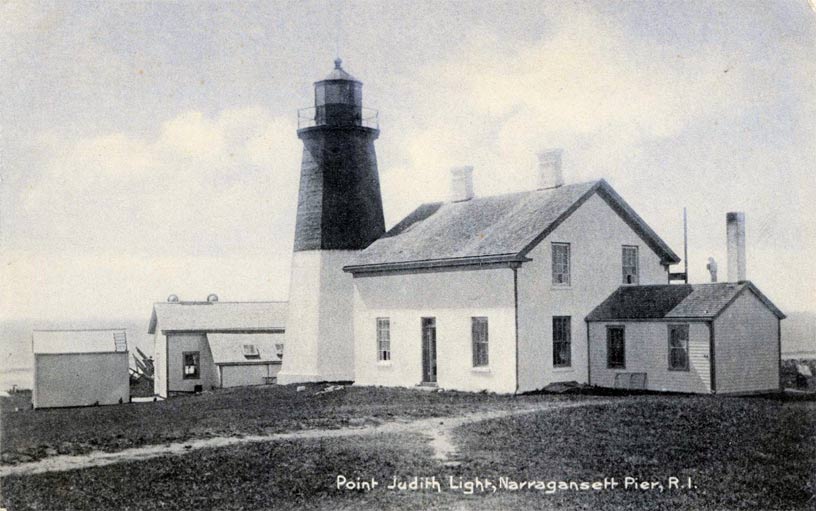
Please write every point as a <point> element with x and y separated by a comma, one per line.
<point>647,351</point>
<point>747,347</point>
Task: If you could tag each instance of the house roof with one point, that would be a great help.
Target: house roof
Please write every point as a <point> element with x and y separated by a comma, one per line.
<point>79,341</point>
<point>501,228</point>
<point>218,316</point>
<point>667,301</point>
<point>229,348</point>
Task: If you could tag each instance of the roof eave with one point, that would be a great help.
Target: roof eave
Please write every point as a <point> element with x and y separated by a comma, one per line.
<point>664,319</point>
<point>509,260</point>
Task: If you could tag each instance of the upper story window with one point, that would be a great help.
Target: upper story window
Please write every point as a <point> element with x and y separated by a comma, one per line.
<point>562,341</point>
<point>678,347</point>
<point>479,337</point>
<point>561,264</point>
<point>383,339</point>
<point>630,264</point>
<point>191,365</point>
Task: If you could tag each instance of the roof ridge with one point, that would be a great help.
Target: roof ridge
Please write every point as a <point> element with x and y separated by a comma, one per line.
<point>114,329</point>
<point>519,192</point>
<point>204,302</point>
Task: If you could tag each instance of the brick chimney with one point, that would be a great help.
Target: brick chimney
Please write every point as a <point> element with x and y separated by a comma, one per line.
<point>461,183</point>
<point>549,169</point>
<point>735,232</point>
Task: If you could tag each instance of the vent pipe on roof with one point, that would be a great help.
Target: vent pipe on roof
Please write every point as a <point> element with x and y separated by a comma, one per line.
<point>549,169</point>
<point>173,299</point>
<point>212,298</point>
<point>735,232</point>
<point>712,268</point>
<point>461,183</point>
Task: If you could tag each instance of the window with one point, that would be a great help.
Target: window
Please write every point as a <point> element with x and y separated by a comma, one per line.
<point>562,343</point>
<point>383,339</point>
<point>279,350</point>
<point>630,264</point>
<point>678,347</point>
<point>191,365</point>
<point>478,328</point>
<point>615,347</point>
<point>251,351</point>
<point>561,264</point>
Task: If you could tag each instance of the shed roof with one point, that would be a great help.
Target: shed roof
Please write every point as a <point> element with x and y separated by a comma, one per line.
<point>491,229</point>
<point>667,301</point>
<point>218,316</point>
<point>229,348</point>
<point>79,341</point>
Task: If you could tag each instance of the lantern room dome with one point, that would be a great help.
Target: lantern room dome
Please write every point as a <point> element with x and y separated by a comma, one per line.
<point>338,73</point>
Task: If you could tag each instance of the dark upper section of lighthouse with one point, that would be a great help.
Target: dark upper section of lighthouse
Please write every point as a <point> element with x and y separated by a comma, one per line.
<point>338,102</point>
<point>339,202</point>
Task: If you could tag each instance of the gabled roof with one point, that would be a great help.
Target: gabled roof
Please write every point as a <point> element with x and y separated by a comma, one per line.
<point>501,228</point>
<point>79,341</point>
<point>218,316</point>
<point>229,348</point>
<point>667,301</point>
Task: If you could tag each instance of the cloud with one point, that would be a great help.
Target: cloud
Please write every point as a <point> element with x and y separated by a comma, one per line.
<point>231,177</point>
<point>159,210</point>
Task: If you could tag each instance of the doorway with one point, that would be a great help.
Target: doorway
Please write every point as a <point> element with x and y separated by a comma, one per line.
<point>428,350</point>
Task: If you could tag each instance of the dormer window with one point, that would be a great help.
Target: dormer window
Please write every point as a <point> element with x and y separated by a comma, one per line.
<point>251,351</point>
<point>630,264</point>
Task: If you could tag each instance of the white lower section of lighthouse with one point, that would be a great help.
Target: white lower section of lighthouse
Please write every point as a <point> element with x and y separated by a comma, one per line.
<point>320,324</point>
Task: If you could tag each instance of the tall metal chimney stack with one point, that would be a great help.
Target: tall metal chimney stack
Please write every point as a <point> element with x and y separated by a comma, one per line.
<point>549,169</point>
<point>735,231</point>
<point>461,183</point>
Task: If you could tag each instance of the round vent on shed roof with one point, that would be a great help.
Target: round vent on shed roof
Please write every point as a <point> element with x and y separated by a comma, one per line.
<point>173,299</point>
<point>212,298</point>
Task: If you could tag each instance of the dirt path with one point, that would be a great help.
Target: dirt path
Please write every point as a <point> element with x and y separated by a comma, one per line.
<point>438,429</point>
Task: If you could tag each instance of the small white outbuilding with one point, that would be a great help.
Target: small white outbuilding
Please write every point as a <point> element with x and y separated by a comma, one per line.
<point>80,368</point>
<point>718,338</point>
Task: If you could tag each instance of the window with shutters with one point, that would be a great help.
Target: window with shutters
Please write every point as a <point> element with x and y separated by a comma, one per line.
<point>630,264</point>
<point>479,337</point>
<point>615,347</point>
<point>383,339</point>
<point>562,342</point>
<point>191,365</point>
<point>678,347</point>
<point>561,264</point>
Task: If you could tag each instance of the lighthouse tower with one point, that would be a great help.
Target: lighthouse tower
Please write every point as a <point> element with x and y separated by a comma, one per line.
<point>339,213</point>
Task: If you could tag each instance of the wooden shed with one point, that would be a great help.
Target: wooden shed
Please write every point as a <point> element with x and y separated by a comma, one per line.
<point>721,338</point>
<point>80,368</point>
<point>246,358</point>
<point>206,345</point>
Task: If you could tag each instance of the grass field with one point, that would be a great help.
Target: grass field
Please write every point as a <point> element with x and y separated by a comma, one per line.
<point>740,453</point>
<point>31,434</point>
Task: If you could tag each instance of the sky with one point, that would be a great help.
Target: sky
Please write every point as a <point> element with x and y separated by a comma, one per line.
<point>150,148</point>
